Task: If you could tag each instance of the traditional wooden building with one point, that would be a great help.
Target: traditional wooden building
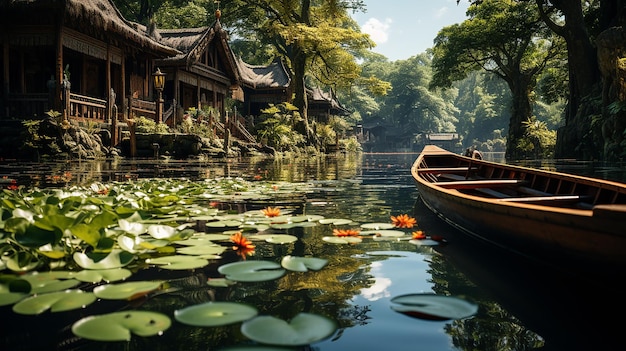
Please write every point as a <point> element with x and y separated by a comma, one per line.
<point>204,73</point>
<point>77,56</point>
<point>82,58</point>
<point>263,85</point>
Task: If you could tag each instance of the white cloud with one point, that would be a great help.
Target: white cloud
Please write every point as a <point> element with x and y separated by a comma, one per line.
<point>441,12</point>
<point>377,30</point>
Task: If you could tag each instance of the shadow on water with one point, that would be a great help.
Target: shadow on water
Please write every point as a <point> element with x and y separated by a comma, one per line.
<point>569,313</point>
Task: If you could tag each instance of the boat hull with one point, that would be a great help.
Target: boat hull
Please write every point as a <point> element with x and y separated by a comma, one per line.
<point>576,239</point>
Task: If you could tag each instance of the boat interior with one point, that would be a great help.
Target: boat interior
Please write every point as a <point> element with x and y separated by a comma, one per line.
<point>508,183</point>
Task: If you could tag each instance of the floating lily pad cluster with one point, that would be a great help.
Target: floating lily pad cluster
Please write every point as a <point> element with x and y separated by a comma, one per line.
<point>99,234</point>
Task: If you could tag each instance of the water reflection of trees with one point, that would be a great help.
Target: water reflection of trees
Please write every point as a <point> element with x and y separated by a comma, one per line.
<point>493,328</point>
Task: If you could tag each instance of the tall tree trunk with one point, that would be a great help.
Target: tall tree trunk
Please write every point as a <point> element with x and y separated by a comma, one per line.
<point>521,111</point>
<point>584,75</point>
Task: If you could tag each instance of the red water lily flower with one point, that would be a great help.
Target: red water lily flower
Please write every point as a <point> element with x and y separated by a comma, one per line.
<point>271,211</point>
<point>403,221</point>
<point>419,235</point>
<point>345,232</point>
<point>242,245</point>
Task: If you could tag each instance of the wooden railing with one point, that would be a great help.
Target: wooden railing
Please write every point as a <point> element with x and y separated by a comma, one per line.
<point>86,107</point>
<point>140,108</point>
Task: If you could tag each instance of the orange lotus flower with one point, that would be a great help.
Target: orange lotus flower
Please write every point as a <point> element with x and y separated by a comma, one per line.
<point>418,235</point>
<point>242,245</point>
<point>403,221</point>
<point>271,211</point>
<point>345,232</point>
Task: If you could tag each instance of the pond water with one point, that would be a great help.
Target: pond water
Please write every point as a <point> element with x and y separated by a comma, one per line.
<point>522,305</point>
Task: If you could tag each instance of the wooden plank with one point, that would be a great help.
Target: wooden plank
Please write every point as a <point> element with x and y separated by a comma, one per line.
<point>480,183</point>
<point>535,199</point>
<point>447,169</point>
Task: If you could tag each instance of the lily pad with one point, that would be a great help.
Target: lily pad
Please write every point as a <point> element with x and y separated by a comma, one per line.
<point>123,291</point>
<point>252,271</point>
<point>377,226</point>
<point>116,259</point>
<point>55,302</point>
<point>202,250</point>
<point>9,298</point>
<point>303,329</point>
<point>281,238</point>
<point>433,307</point>
<point>119,326</point>
<point>98,275</point>
<point>335,221</point>
<point>303,264</point>
<point>178,262</point>
<point>342,239</point>
<point>212,314</point>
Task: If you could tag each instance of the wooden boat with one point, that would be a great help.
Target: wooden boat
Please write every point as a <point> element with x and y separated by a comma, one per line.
<point>575,222</point>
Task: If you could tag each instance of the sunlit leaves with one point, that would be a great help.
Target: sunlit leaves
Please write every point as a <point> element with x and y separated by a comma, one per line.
<point>119,326</point>
<point>303,329</point>
<point>213,314</point>
<point>55,302</point>
<point>128,290</point>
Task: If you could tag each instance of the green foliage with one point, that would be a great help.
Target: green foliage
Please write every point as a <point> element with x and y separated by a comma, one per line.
<point>538,141</point>
<point>276,127</point>
<point>146,125</point>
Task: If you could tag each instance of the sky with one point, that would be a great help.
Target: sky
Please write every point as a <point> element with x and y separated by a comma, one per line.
<point>405,28</point>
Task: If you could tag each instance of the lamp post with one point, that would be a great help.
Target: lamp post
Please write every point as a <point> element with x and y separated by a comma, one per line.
<point>159,84</point>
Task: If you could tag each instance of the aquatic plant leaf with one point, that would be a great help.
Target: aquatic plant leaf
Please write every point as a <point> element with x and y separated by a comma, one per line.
<point>433,307</point>
<point>212,314</point>
<point>98,275</point>
<point>119,326</point>
<point>86,233</point>
<point>303,264</point>
<point>55,302</point>
<point>281,238</point>
<point>335,221</point>
<point>115,259</point>
<point>160,231</point>
<point>129,227</point>
<point>123,291</point>
<point>303,329</point>
<point>33,236</point>
<point>178,262</point>
<point>202,250</point>
<point>251,271</point>
<point>9,298</point>
<point>377,226</point>
<point>342,239</point>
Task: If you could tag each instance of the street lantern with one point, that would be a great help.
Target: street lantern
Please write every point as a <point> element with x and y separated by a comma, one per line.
<point>159,84</point>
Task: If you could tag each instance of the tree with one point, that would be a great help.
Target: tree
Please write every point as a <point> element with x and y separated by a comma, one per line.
<point>317,38</point>
<point>505,38</point>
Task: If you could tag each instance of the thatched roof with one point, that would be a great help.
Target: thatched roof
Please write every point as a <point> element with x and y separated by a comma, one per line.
<point>98,18</point>
<point>192,42</point>
<point>320,96</point>
<point>274,75</point>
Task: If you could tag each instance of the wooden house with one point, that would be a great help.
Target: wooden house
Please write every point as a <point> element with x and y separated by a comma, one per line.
<point>77,56</point>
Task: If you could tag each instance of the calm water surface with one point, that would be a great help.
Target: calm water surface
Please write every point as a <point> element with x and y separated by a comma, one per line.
<point>523,305</point>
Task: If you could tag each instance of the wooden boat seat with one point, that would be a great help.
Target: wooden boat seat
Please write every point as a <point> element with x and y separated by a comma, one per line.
<point>539,199</point>
<point>448,170</point>
<point>480,183</point>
